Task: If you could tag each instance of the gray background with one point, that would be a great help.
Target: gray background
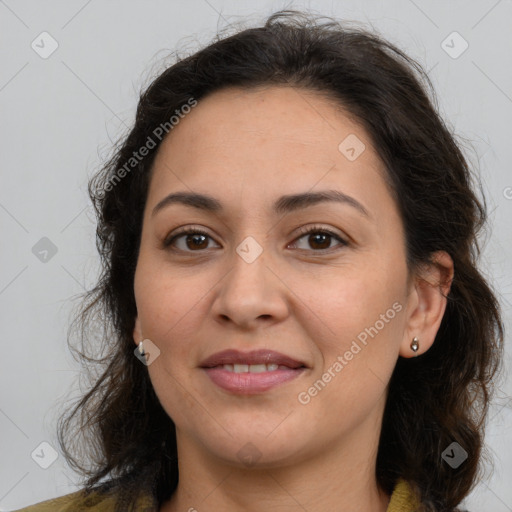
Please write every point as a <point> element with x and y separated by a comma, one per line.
<point>59,116</point>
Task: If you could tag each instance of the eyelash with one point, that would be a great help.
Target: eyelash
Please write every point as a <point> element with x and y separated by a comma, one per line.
<point>302,232</point>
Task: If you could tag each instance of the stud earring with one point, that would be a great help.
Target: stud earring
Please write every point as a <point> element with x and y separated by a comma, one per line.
<point>141,349</point>
<point>415,344</point>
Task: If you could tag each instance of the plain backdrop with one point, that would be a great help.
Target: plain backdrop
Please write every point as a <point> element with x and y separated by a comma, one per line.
<point>60,113</point>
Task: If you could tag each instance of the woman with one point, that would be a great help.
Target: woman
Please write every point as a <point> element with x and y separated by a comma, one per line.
<point>288,236</point>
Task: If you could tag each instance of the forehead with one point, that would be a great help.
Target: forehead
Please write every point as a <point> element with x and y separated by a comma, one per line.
<point>267,141</point>
<point>279,114</point>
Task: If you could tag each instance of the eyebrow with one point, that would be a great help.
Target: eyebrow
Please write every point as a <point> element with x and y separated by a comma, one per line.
<point>284,204</point>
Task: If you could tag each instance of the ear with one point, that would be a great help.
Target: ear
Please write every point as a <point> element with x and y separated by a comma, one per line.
<point>427,303</point>
<point>137,331</point>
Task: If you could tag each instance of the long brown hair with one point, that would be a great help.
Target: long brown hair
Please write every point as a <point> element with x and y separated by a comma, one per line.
<point>126,439</point>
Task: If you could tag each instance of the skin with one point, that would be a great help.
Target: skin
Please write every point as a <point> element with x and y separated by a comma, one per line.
<point>247,148</point>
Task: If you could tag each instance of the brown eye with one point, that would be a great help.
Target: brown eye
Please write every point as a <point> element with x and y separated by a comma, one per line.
<point>319,239</point>
<point>322,239</point>
<point>193,240</point>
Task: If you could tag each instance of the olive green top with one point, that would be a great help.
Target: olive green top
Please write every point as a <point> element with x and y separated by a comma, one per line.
<point>402,500</point>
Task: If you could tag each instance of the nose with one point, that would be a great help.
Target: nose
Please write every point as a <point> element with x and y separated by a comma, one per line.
<point>251,294</point>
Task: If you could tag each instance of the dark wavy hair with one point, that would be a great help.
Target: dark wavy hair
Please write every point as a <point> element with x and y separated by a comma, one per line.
<point>124,440</point>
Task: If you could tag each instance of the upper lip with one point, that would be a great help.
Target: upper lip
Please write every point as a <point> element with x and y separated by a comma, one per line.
<point>262,356</point>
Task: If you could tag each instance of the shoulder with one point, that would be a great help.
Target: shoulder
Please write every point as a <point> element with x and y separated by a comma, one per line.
<point>402,499</point>
<point>61,504</point>
<point>92,502</point>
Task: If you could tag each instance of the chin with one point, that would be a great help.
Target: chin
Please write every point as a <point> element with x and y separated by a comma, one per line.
<point>247,443</point>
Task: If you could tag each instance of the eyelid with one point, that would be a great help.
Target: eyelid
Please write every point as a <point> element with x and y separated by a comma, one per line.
<point>305,230</point>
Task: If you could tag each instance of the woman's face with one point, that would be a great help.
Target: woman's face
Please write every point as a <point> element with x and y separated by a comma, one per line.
<point>336,305</point>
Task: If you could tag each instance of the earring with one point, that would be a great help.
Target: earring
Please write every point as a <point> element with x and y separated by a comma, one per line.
<point>141,349</point>
<point>415,344</point>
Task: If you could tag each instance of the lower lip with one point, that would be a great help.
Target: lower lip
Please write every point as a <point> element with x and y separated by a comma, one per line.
<point>251,383</point>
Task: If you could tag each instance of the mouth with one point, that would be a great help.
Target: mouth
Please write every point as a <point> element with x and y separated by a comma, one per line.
<point>253,368</point>
<point>252,372</point>
<point>252,361</point>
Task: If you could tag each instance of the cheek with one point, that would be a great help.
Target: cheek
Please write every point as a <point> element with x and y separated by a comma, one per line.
<point>167,299</point>
<point>170,310</point>
<point>357,357</point>
<point>172,306</point>
<point>360,304</point>
<point>359,321</point>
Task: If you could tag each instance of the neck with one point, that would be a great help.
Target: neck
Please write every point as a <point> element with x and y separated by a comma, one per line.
<point>342,478</point>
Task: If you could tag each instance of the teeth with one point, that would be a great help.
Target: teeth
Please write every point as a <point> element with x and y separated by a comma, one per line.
<point>250,368</point>
<point>257,368</point>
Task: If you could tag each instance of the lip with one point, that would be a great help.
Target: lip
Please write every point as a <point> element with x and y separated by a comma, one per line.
<point>248,383</point>
<point>262,356</point>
